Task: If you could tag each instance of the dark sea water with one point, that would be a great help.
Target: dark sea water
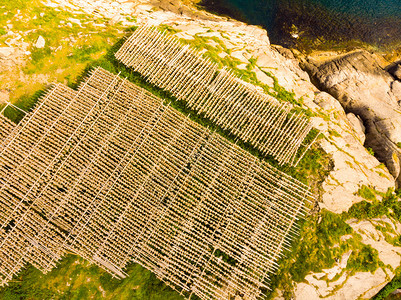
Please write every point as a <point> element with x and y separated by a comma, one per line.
<point>375,22</point>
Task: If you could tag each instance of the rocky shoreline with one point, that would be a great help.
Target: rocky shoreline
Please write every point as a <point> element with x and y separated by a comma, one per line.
<point>355,107</point>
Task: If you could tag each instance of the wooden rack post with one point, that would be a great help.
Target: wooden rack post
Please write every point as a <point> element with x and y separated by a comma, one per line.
<point>113,174</point>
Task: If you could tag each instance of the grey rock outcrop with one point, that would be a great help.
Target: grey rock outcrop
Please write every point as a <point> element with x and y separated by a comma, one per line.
<point>6,52</point>
<point>358,126</point>
<point>362,285</point>
<point>396,89</point>
<point>395,70</point>
<point>4,96</point>
<point>40,42</point>
<point>366,90</point>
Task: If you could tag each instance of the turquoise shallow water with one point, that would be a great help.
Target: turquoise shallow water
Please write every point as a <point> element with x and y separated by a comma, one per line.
<point>373,21</point>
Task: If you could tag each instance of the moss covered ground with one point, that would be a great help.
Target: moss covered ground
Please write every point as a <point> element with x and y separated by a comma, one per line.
<point>75,278</point>
<point>320,245</point>
<point>71,42</point>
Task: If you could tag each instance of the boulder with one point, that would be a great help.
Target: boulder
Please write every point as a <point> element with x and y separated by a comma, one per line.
<point>40,42</point>
<point>327,103</point>
<point>396,89</point>
<point>352,165</point>
<point>395,70</point>
<point>287,53</point>
<point>365,89</point>
<point>6,52</point>
<point>358,126</point>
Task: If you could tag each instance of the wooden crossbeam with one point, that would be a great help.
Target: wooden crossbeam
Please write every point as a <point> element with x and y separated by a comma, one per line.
<point>223,98</point>
<point>113,174</point>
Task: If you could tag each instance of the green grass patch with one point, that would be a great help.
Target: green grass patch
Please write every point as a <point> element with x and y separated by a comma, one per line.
<point>334,133</point>
<point>394,284</point>
<point>370,150</point>
<point>367,210</point>
<point>69,47</point>
<point>390,206</point>
<point>75,278</point>
<point>367,193</point>
<point>315,251</point>
<point>319,247</point>
<point>364,259</point>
